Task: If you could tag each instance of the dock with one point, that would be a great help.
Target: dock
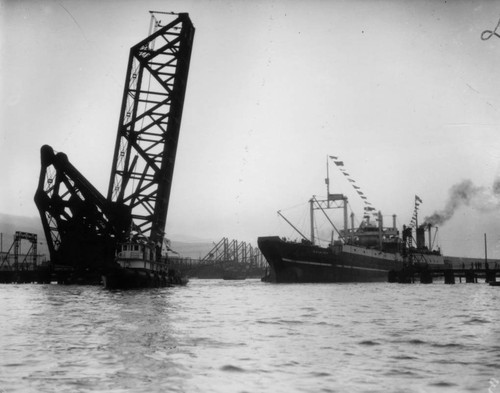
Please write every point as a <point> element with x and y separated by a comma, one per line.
<point>468,270</point>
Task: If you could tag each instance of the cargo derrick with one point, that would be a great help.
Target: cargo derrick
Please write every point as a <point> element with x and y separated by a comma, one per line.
<point>150,119</point>
<point>82,227</point>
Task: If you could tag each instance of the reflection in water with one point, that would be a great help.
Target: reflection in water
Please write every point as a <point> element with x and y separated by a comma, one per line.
<point>221,336</point>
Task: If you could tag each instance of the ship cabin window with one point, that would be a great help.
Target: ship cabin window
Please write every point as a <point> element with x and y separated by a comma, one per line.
<point>130,247</point>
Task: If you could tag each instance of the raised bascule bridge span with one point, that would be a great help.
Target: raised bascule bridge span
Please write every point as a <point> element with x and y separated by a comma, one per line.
<point>82,226</point>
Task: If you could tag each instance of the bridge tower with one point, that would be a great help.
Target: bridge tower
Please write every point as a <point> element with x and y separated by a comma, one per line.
<point>150,119</point>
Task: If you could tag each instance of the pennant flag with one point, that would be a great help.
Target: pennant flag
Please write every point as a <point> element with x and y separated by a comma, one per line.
<point>368,206</point>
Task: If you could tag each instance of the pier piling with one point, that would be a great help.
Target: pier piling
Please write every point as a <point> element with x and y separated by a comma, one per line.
<point>426,277</point>
<point>449,277</point>
<point>470,276</point>
<point>490,276</point>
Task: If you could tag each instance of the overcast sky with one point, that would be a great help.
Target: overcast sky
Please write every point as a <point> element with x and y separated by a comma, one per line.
<point>405,93</point>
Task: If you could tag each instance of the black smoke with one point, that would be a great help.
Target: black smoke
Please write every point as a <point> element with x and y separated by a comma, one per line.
<point>466,193</point>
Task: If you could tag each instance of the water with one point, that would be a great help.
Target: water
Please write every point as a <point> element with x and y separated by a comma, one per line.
<point>248,336</point>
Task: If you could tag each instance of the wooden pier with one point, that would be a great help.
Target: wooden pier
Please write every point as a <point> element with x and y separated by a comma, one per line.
<point>449,275</point>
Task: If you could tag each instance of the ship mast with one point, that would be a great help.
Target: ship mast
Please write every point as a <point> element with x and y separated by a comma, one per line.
<point>311,206</point>
<point>327,181</point>
<point>326,204</point>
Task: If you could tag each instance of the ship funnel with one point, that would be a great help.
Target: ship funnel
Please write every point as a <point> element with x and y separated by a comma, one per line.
<point>421,237</point>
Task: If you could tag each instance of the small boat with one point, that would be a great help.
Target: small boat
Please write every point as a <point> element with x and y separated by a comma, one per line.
<point>136,266</point>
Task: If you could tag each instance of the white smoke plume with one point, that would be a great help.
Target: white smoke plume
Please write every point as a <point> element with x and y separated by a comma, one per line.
<point>465,193</point>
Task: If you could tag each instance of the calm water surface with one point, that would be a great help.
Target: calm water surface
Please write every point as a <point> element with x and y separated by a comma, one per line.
<point>248,336</point>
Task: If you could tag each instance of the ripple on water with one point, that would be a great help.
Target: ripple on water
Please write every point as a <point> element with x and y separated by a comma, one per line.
<point>369,343</point>
<point>476,321</point>
<point>442,384</point>
<point>232,369</point>
<point>320,374</point>
<point>404,357</point>
<point>449,345</point>
<point>215,338</point>
<point>397,372</point>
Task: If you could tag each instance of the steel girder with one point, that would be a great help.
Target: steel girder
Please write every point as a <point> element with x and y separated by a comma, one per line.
<point>32,252</point>
<point>80,225</point>
<point>148,131</point>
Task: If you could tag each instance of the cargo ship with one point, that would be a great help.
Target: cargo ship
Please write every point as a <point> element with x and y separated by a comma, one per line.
<point>370,252</point>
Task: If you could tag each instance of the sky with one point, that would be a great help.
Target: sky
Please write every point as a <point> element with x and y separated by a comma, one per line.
<point>405,93</point>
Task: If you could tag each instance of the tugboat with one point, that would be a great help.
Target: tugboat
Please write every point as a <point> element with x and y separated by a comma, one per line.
<point>137,266</point>
<point>367,253</point>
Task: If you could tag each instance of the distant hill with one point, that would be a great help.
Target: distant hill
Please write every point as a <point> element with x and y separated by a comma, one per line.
<point>9,224</point>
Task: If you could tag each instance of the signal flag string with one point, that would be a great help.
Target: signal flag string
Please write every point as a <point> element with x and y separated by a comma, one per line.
<point>413,221</point>
<point>368,206</point>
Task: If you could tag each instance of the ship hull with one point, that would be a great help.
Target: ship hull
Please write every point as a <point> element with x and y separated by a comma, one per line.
<point>304,262</point>
<point>133,278</point>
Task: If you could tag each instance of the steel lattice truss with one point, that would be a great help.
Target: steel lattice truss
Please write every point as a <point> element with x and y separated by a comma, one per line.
<point>31,253</point>
<point>233,251</point>
<point>80,225</point>
<point>150,119</point>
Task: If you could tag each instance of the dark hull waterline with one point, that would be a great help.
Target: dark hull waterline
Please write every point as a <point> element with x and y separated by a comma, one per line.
<point>304,262</point>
